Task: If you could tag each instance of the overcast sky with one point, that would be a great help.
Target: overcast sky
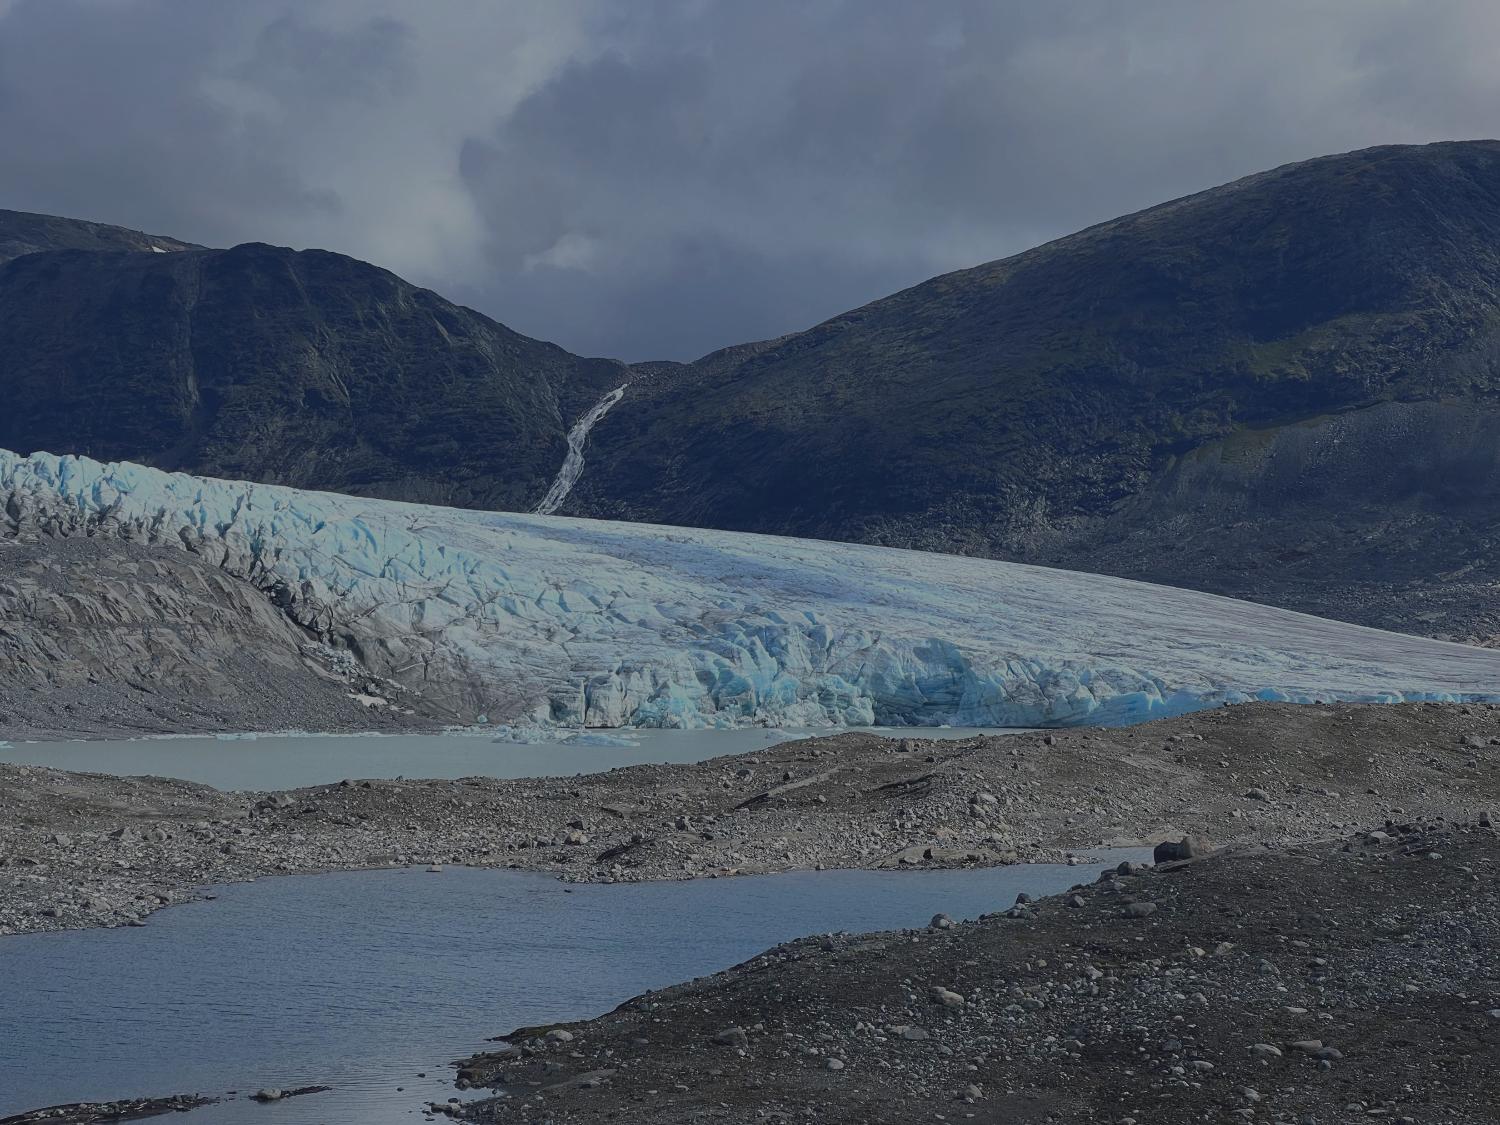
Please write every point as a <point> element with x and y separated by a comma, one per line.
<point>658,178</point>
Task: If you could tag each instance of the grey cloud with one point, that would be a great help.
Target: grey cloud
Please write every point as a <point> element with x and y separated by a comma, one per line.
<point>660,179</point>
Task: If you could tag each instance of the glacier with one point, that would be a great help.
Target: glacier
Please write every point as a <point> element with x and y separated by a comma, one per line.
<point>531,620</point>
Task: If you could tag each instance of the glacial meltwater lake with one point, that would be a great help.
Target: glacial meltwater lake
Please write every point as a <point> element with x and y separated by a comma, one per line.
<point>291,761</point>
<point>363,980</point>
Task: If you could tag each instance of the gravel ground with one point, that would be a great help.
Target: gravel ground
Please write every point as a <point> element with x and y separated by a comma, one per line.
<point>84,850</point>
<point>1322,983</point>
<point>100,1113</point>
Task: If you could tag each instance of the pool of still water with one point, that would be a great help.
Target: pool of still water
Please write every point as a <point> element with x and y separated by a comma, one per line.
<point>291,761</point>
<point>363,980</point>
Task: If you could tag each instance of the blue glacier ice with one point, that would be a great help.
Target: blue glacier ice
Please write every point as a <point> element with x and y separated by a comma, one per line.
<point>539,620</point>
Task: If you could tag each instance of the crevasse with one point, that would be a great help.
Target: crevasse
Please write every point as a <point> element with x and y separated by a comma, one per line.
<point>541,619</point>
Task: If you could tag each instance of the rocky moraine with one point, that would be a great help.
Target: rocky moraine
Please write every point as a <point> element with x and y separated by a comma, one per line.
<point>88,849</point>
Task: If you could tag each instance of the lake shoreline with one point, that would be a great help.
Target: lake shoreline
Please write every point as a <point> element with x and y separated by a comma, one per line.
<point>1350,976</point>
<point>288,983</point>
<point>80,850</point>
<point>1333,980</point>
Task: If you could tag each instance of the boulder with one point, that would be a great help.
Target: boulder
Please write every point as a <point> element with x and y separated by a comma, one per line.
<point>1176,851</point>
<point>733,1037</point>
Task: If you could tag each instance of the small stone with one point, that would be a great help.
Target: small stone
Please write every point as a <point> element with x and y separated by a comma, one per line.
<point>1257,795</point>
<point>915,1034</point>
<point>1139,910</point>
<point>834,1064</point>
<point>946,997</point>
<point>1266,1051</point>
<point>940,922</point>
<point>733,1037</point>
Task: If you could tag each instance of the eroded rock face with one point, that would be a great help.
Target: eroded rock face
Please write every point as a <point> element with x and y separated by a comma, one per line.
<point>109,636</point>
<point>543,620</point>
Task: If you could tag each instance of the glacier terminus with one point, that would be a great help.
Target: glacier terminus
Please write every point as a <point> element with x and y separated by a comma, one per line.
<point>537,619</point>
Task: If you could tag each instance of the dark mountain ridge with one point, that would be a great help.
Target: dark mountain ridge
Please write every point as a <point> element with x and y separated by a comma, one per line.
<point>1284,388</point>
<point>304,368</point>
<point>1046,388</point>
<point>1270,389</point>
<point>24,233</point>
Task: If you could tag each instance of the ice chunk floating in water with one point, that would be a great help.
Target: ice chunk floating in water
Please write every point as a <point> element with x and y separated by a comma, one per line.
<point>539,620</point>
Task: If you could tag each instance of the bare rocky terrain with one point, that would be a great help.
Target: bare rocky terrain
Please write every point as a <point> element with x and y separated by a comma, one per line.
<point>1320,984</point>
<point>1336,959</point>
<point>24,233</point>
<point>83,850</point>
<point>98,1113</point>
<point>105,637</point>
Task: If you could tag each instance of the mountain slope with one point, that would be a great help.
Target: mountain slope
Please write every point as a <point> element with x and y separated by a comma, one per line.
<point>554,621</point>
<point>1282,389</point>
<point>309,369</point>
<point>24,233</point>
<point>1241,391</point>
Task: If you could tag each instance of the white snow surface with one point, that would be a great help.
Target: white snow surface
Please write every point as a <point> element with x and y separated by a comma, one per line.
<point>541,620</point>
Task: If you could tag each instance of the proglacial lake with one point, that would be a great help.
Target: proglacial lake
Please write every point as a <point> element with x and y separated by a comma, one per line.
<point>291,761</point>
<point>363,980</point>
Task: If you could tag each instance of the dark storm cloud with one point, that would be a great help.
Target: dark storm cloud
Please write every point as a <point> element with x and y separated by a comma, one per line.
<point>662,178</point>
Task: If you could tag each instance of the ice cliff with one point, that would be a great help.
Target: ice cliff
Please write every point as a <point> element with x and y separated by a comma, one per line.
<point>543,619</point>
